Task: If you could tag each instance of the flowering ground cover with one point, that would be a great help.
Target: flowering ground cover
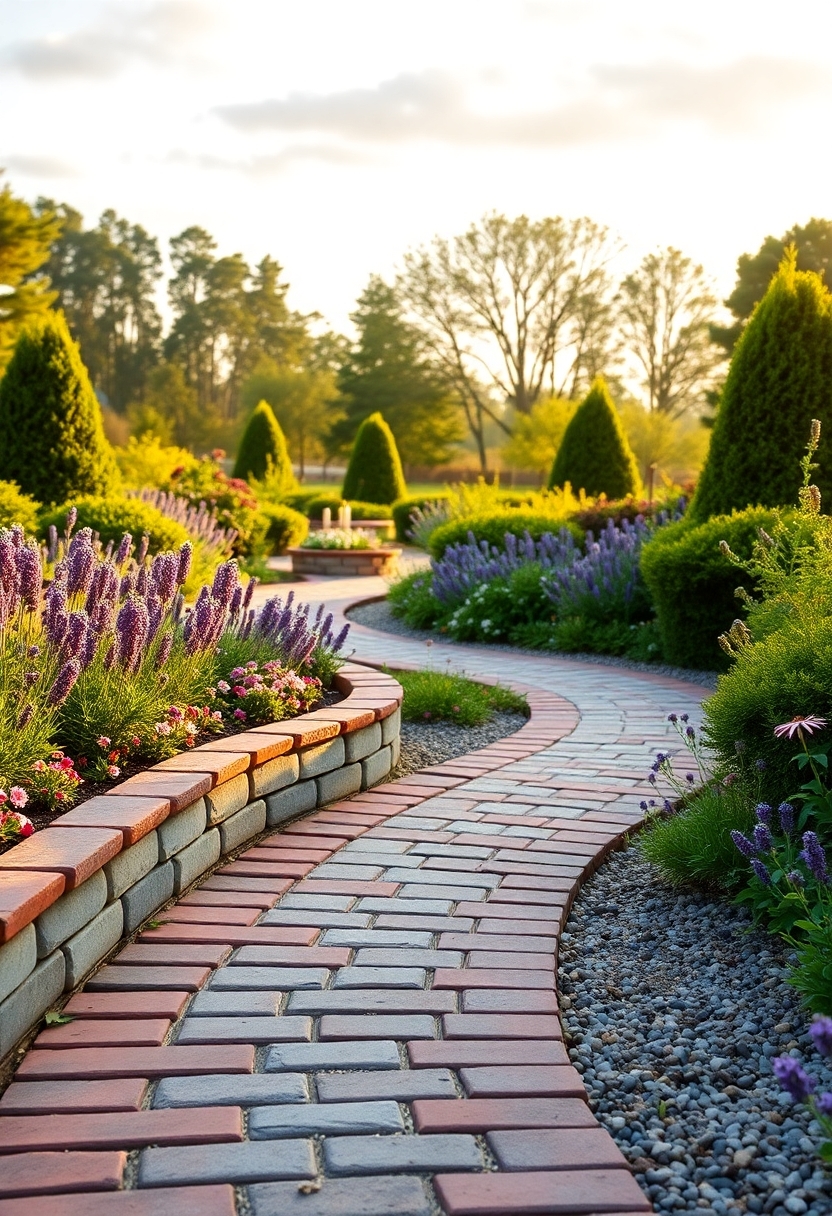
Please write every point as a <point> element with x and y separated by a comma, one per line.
<point>103,666</point>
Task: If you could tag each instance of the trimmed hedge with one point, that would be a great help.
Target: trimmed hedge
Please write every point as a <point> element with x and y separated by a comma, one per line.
<point>692,584</point>
<point>263,453</point>
<point>374,473</point>
<point>17,508</point>
<point>112,517</point>
<point>493,528</point>
<point>595,455</point>
<point>314,508</point>
<point>286,527</point>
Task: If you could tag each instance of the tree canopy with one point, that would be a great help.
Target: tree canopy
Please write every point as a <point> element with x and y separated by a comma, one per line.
<point>26,236</point>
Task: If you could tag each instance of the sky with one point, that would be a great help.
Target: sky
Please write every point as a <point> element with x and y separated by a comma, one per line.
<point>337,134</point>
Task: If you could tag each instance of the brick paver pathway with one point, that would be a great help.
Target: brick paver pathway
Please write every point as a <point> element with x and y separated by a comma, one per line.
<point>379,1036</point>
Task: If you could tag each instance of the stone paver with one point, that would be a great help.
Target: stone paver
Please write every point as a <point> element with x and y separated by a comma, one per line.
<point>365,998</point>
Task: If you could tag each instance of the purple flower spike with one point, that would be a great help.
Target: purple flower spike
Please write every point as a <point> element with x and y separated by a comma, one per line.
<point>186,555</point>
<point>29,576</point>
<point>164,573</point>
<point>26,715</point>
<point>144,545</point>
<point>673,718</point>
<point>124,549</point>
<point>796,878</point>
<point>760,766</point>
<point>786,812</point>
<point>745,846</point>
<point>165,646</point>
<point>64,683</point>
<point>792,1077</point>
<point>763,812</point>
<point>761,872</point>
<point>71,520</point>
<point>225,583</point>
<point>250,585</point>
<point>814,857</point>
<point>821,1032</point>
<point>762,838</point>
<point>132,625</point>
<point>75,636</point>
<point>824,1104</point>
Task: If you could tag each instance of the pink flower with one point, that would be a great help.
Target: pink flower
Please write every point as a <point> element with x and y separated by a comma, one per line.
<point>113,770</point>
<point>26,826</point>
<point>39,766</point>
<point>65,763</point>
<point>18,796</point>
<point>4,797</point>
<point>217,715</point>
<point>162,728</point>
<point>239,691</point>
<point>426,713</point>
<point>223,686</point>
<point>456,709</point>
<point>59,795</point>
<point>240,715</point>
<point>135,741</point>
<point>798,725</point>
<point>103,742</point>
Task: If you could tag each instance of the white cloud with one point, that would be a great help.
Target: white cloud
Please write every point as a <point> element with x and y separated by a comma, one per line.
<point>271,165</point>
<point>38,166</point>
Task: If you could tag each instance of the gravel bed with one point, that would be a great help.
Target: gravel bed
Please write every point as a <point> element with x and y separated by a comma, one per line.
<point>426,743</point>
<point>377,615</point>
<point>673,1007</point>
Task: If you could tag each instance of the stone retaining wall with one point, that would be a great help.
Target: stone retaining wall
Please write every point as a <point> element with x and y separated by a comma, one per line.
<point>70,893</point>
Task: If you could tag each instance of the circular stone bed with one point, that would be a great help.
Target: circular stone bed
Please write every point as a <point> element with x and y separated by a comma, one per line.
<point>673,1006</point>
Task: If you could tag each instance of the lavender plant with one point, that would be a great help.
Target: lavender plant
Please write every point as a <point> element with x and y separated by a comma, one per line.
<point>801,1086</point>
<point>199,521</point>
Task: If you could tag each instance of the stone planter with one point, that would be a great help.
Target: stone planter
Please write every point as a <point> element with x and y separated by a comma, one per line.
<point>345,563</point>
<point>73,891</point>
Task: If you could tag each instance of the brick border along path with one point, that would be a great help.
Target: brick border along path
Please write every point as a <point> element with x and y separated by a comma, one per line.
<point>390,1044</point>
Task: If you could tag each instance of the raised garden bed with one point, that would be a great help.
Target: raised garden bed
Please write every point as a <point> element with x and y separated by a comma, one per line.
<point>347,562</point>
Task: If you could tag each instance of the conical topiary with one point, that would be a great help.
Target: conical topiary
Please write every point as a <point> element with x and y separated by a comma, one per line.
<point>374,473</point>
<point>263,452</point>
<point>780,378</point>
<point>594,454</point>
<point>52,439</point>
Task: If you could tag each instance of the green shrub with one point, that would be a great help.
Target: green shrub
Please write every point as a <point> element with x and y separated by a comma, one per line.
<point>694,847</point>
<point>412,600</point>
<point>374,473</point>
<point>778,381</point>
<point>494,527</point>
<point>17,508</point>
<point>314,508</point>
<point>112,517</point>
<point>262,453</point>
<point>692,584</point>
<point>298,499</point>
<point>51,436</point>
<point>404,508</point>
<point>286,527</point>
<point>231,500</point>
<point>594,454</point>
<point>437,696</point>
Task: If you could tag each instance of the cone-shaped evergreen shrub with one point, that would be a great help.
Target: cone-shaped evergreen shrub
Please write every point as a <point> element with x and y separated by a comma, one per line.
<point>263,452</point>
<point>51,437</point>
<point>594,454</point>
<point>780,378</point>
<point>374,473</point>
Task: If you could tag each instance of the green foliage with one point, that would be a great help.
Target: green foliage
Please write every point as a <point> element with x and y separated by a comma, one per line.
<point>147,463</point>
<point>812,974</point>
<point>693,847</point>
<point>594,455</point>
<point>778,381</point>
<point>17,508</point>
<point>403,508</point>
<point>25,238</point>
<point>494,527</point>
<point>436,696</point>
<point>229,498</point>
<point>374,472</point>
<point>585,634</point>
<point>314,508</point>
<point>412,600</point>
<point>298,499</point>
<point>262,452</point>
<point>286,527</point>
<point>51,437</point>
<point>112,517</point>
<point>692,584</point>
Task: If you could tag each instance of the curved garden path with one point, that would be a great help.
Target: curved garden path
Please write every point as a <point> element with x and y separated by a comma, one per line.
<point>423,1005</point>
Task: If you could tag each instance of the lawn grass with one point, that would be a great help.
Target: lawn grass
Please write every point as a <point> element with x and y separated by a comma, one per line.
<point>437,696</point>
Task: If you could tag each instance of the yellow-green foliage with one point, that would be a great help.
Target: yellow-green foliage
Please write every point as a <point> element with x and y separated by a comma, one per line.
<point>494,526</point>
<point>286,527</point>
<point>536,436</point>
<point>594,455</point>
<point>262,454</point>
<point>148,463</point>
<point>17,508</point>
<point>113,516</point>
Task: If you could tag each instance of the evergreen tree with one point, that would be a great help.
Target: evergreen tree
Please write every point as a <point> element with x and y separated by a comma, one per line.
<point>374,473</point>
<point>263,453</point>
<point>51,436</point>
<point>780,378</point>
<point>594,454</point>
<point>25,238</point>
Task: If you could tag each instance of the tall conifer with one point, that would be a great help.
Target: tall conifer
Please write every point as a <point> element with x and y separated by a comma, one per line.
<point>595,455</point>
<point>374,473</point>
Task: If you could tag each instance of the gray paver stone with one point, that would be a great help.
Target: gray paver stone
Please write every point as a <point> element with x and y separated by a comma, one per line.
<point>366,1000</point>
<point>226,799</point>
<point>30,999</point>
<point>429,891</point>
<point>235,1163</point>
<point>274,775</point>
<point>442,878</point>
<point>356,938</point>
<point>195,859</point>
<point>372,957</point>
<point>321,757</point>
<point>257,1089</point>
<point>291,802</point>
<point>149,893</point>
<point>87,947</point>
<point>241,979</point>
<point>404,1154</point>
<point>375,844</point>
<point>179,830</point>
<point>378,857</point>
<point>361,743</point>
<point>318,903</point>
<point>314,1057</point>
<point>377,1026</point>
<point>242,825</point>
<point>343,871</point>
<point>395,750</point>
<point>338,784</point>
<point>376,767</point>
<point>391,727</point>
<point>381,905</point>
<point>234,1004</point>
<point>125,870</point>
<point>335,1119</point>
<point>70,913</point>
<point>18,959</point>
<point>244,1030</point>
<point>380,977</point>
<point>384,1196</point>
<point>402,1086</point>
<point>323,920</point>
